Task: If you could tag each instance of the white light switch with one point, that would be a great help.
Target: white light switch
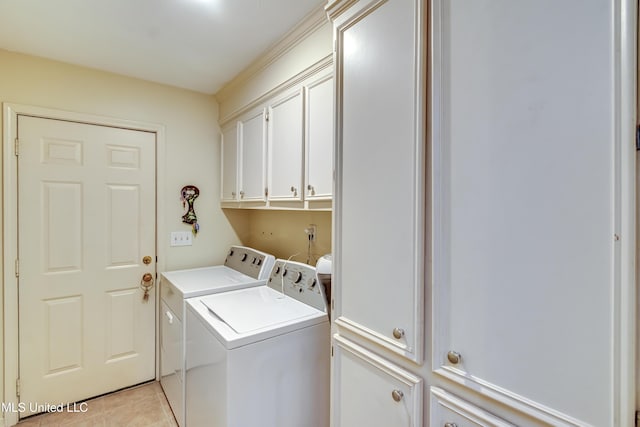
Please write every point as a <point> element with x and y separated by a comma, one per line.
<point>181,238</point>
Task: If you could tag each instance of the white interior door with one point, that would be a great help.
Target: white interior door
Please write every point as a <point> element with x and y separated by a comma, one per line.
<point>86,209</point>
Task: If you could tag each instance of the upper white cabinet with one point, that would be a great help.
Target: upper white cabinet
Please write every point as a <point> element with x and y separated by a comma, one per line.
<point>283,149</point>
<point>379,205</point>
<point>229,155</point>
<point>319,139</point>
<point>252,156</point>
<point>286,147</point>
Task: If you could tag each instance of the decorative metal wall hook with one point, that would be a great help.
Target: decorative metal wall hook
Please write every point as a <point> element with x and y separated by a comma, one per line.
<point>188,195</point>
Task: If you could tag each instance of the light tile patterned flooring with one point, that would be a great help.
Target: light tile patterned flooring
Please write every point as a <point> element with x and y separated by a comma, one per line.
<point>141,406</point>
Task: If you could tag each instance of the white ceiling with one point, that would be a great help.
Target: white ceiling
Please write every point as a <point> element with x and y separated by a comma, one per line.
<point>192,44</point>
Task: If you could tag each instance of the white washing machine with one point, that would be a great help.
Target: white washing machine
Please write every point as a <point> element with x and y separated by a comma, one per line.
<point>243,268</point>
<point>260,356</point>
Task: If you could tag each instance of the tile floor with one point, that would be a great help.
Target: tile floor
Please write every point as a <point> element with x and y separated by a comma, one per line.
<point>141,406</point>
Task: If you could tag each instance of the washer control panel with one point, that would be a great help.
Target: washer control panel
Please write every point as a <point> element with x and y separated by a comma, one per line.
<point>250,261</point>
<point>298,281</point>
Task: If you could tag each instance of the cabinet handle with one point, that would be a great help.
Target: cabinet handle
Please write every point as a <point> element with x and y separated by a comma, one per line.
<point>397,395</point>
<point>170,317</point>
<point>398,333</point>
<point>454,357</point>
<point>450,425</point>
<point>233,193</point>
<point>294,190</point>
<point>241,194</point>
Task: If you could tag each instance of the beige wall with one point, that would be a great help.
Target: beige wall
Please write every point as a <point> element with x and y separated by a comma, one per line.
<point>281,233</point>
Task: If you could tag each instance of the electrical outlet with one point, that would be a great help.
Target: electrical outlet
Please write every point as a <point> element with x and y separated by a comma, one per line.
<point>181,238</point>
<point>311,232</point>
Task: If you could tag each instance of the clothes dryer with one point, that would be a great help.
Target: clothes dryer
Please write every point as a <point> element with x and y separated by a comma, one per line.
<point>243,268</point>
<point>260,356</point>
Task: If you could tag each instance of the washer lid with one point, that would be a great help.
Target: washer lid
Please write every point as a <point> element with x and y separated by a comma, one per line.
<point>200,281</point>
<point>252,309</point>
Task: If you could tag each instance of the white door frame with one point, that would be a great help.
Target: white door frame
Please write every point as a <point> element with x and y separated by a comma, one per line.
<point>9,322</point>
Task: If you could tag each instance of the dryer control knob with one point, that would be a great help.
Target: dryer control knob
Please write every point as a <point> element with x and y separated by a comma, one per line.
<point>298,278</point>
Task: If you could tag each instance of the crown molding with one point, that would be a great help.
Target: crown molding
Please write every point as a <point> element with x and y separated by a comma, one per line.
<point>315,69</point>
<point>312,22</point>
<point>334,8</point>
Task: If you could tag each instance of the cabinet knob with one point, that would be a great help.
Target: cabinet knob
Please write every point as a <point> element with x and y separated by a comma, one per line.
<point>454,357</point>
<point>241,194</point>
<point>398,333</point>
<point>450,425</point>
<point>233,193</point>
<point>397,395</point>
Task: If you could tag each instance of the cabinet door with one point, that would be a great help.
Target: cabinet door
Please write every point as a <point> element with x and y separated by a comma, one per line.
<point>531,207</point>
<point>286,144</point>
<point>378,392</point>
<point>448,410</point>
<point>229,163</point>
<point>380,176</point>
<point>319,132</point>
<point>252,156</point>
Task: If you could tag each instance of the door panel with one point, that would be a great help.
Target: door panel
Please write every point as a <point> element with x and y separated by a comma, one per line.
<point>286,139</point>
<point>252,165</point>
<point>86,218</point>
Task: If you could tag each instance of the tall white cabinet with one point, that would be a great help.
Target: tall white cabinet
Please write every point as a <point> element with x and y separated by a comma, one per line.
<point>484,213</point>
<point>379,212</point>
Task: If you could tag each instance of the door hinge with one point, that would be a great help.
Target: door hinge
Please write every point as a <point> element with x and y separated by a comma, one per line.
<point>637,417</point>
<point>17,268</point>
<point>18,387</point>
<point>16,147</point>
<point>333,306</point>
<point>638,138</point>
<point>331,351</point>
<point>266,116</point>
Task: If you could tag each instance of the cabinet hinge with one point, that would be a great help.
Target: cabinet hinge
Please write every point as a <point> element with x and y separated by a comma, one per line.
<point>17,268</point>
<point>333,306</point>
<point>266,192</point>
<point>18,387</point>
<point>331,351</point>
<point>638,138</point>
<point>16,147</point>
<point>637,417</point>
